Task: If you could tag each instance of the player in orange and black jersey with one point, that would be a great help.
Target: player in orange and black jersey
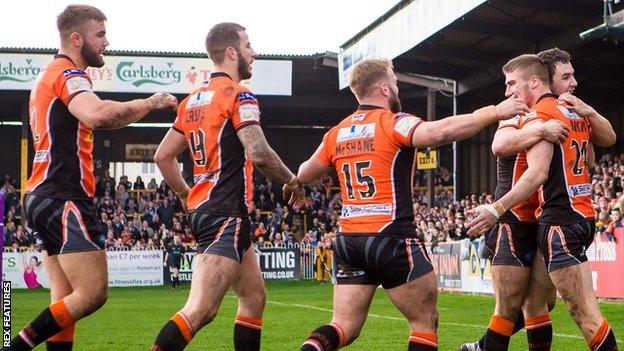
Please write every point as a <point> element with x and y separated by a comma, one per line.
<point>219,123</point>
<point>373,151</point>
<point>64,111</point>
<point>565,215</point>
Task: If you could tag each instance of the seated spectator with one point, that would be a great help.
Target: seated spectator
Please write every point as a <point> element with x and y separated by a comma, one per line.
<point>616,222</point>
<point>138,184</point>
<point>260,231</point>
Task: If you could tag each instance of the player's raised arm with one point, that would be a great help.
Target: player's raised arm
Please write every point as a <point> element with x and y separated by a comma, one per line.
<point>463,126</point>
<point>601,132</point>
<point>106,114</point>
<point>509,141</point>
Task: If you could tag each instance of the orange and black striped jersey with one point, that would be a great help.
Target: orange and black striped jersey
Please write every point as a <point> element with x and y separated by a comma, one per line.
<point>372,154</point>
<point>509,170</point>
<point>209,119</point>
<point>63,161</point>
<point>565,198</point>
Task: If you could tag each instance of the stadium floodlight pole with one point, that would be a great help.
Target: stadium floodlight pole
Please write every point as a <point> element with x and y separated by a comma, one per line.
<point>431,112</point>
<point>454,143</point>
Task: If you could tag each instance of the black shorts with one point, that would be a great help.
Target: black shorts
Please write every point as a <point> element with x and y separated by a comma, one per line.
<point>173,263</point>
<point>64,226</point>
<point>376,259</point>
<point>224,236</point>
<point>564,246</point>
<point>512,244</point>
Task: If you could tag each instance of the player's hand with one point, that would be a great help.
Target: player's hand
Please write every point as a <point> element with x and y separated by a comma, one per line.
<point>554,131</point>
<point>482,223</point>
<point>577,105</point>
<point>162,100</point>
<point>511,108</point>
<point>295,196</point>
<point>165,264</point>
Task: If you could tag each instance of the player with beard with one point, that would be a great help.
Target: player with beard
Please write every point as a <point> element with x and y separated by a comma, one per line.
<point>64,111</point>
<point>509,141</point>
<point>564,213</point>
<point>373,152</point>
<point>220,123</point>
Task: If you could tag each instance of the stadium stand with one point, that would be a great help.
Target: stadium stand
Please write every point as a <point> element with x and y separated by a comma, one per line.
<point>143,217</point>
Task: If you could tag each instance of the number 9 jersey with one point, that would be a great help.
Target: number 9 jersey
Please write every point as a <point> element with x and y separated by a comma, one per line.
<point>209,119</point>
<point>372,154</point>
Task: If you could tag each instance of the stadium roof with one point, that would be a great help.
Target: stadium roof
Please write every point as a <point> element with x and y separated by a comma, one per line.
<point>472,48</point>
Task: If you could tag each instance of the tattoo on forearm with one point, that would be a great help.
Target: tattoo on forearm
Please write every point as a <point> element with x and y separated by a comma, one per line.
<point>265,159</point>
<point>124,114</point>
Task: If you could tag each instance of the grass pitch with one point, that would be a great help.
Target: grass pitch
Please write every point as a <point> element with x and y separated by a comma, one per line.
<point>132,317</point>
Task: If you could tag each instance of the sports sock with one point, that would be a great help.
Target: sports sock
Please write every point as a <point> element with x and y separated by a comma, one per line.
<point>49,322</point>
<point>517,327</point>
<point>539,332</point>
<point>327,337</point>
<point>63,341</point>
<point>174,335</point>
<point>604,339</point>
<point>247,332</point>
<point>498,334</point>
<point>419,341</point>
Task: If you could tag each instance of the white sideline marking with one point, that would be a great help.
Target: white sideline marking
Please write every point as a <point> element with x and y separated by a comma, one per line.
<point>310,307</point>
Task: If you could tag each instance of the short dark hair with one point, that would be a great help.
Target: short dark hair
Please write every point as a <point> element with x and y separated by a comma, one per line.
<point>74,16</point>
<point>552,57</point>
<point>220,37</point>
<point>532,66</point>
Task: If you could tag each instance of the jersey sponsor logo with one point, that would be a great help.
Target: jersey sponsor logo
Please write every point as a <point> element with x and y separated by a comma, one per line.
<point>246,96</point>
<point>358,118</point>
<point>41,156</point>
<point>201,98</point>
<point>204,177</point>
<point>69,72</point>
<point>78,83</point>
<point>249,112</point>
<point>350,211</point>
<point>568,113</point>
<point>579,190</point>
<point>405,124</point>
<point>356,131</point>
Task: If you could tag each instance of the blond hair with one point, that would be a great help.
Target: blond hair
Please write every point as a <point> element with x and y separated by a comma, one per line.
<point>531,65</point>
<point>366,73</point>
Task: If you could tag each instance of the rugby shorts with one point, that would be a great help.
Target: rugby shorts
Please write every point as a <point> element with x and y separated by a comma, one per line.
<point>565,245</point>
<point>512,244</point>
<point>219,235</point>
<point>64,226</point>
<point>376,259</point>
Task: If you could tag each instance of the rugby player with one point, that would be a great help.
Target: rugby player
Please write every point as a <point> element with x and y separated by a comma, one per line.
<point>58,203</point>
<point>373,152</point>
<point>565,216</point>
<point>219,123</point>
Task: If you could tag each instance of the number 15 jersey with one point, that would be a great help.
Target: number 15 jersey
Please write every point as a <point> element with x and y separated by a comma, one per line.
<point>372,154</point>
<point>209,119</point>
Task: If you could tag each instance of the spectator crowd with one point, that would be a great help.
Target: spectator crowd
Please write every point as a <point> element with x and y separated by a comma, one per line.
<point>136,216</point>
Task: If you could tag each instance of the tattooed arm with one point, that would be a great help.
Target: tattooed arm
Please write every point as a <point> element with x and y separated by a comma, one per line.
<point>269,164</point>
<point>108,114</point>
<point>263,156</point>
